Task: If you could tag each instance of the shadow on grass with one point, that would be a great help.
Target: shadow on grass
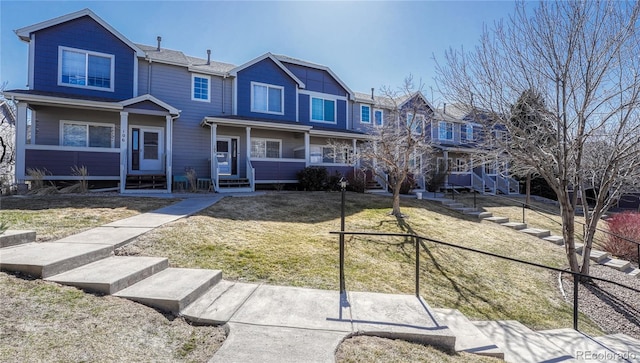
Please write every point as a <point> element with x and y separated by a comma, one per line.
<point>465,295</point>
<point>37,203</point>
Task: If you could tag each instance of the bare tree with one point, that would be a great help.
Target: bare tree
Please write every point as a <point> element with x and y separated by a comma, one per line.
<point>581,60</point>
<point>7,137</point>
<point>395,149</point>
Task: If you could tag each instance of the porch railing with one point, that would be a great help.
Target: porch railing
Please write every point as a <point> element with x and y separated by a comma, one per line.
<point>251,174</point>
<point>477,183</point>
<point>489,183</point>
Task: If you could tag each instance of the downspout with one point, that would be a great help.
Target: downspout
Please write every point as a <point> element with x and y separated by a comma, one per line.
<point>149,77</point>
<point>222,105</point>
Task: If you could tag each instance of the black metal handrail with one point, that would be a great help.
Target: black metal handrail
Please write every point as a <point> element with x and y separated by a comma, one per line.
<point>576,275</point>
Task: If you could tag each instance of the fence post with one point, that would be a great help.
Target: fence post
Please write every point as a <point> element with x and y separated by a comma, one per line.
<point>417,239</point>
<point>575,302</point>
<point>474,199</point>
<point>523,208</point>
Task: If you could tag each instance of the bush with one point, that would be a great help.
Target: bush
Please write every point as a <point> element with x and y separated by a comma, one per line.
<point>357,181</point>
<point>407,185</point>
<point>313,178</point>
<point>626,225</point>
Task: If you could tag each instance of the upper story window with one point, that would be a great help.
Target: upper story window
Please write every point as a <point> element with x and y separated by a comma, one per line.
<point>365,114</point>
<point>414,122</point>
<point>445,130</point>
<point>85,69</point>
<point>87,134</point>
<point>267,98</point>
<point>469,132</point>
<point>266,148</point>
<point>323,110</point>
<point>378,117</point>
<point>200,88</point>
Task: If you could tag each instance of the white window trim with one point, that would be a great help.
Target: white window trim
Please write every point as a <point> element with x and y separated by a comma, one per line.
<point>87,53</point>
<point>419,118</point>
<point>381,117</point>
<point>456,166</point>
<point>87,123</point>
<point>362,107</point>
<point>335,162</point>
<point>335,109</point>
<point>452,131</point>
<point>268,86</point>
<point>193,85</point>
<point>279,141</point>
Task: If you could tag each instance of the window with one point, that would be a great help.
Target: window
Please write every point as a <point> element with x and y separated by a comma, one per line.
<point>415,123</point>
<point>365,114</point>
<point>323,110</point>
<point>87,134</point>
<point>265,148</point>
<point>445,130</point>
<point>267,98</point>
<point>443,165</point>
<point>329,154</point>
<point>85,69</point>
<point>461,165</point>
<point>200,88</point>
<point>378,117</point>
<point>469,132</point>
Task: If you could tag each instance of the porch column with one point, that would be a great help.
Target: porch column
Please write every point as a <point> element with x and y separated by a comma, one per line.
<point>169,153</point>
<point>307,151</point>
<point>21,139</point>
<point>214,150</point>
<point>354,145</point>
<point>124,131</point>
<point>247,170</point>
<point>445,153</point>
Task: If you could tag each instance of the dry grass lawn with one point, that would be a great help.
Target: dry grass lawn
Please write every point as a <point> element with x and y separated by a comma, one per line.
<point>57,216</point>
<point>283,238</point>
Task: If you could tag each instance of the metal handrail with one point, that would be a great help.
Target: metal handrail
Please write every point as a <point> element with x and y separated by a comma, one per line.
<point>576,275</point>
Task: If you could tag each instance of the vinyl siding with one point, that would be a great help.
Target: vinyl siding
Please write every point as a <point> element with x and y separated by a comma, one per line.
<point>82,33</point>
<point>59,163</point>
<point>316,80</point>
<point>48,122</point>
<point>266,71</point>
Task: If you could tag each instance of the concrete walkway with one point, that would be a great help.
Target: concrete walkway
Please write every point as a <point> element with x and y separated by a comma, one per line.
<point>266,323</point>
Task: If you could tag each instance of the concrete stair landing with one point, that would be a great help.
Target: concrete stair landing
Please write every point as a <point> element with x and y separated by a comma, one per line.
<point>14,237</point>
<point>536,232</point>
<point>112,274</point>
<point>468,337</point>
<point>43,260</point>
<point>521,344</point>
<point>580,346</point>
<point>172,289</point>
<point>515,225</point>
<point>499,220</point>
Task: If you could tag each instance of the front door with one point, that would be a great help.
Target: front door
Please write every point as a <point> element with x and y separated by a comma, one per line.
<point>227,156</point>
<point>147,148</point>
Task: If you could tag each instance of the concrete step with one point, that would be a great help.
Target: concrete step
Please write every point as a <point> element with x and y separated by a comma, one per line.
<point>579,247</point>
<point>218,305</point>
<point>558,240</point>
<point>599,256</point>
<point>464,209</point>
<point>114,236</point>
<point>499,220</point>
<point>631,271</point>
<point>172,289</point>
<point>521,344</point>
<point>468,337</point>
<point>112,274</point>
<point>43,260</point>
<point>536,232</point>
<point>515,225</point>
<point>14,237</point>
<point>627,347</point>
<point>579,345</point>
<point>455,205</point>
<point>479,214</point>
<point>619,265</point>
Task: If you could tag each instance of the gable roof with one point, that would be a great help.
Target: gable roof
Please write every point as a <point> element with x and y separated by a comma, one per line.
<point>147,97</point>
<point>25,33</point>
<point>274,59</point>
<point>287,59</point>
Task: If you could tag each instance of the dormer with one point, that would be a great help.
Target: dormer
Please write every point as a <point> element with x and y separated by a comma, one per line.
<point>80,54</point>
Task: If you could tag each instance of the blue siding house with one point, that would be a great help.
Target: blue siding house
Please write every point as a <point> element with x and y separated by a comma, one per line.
<point>142,116</point>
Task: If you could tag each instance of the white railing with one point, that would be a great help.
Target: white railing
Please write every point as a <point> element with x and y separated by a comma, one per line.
<point>514,186</point>
<point>251,174</point>
<point>215,178</point>
<point>477,183</point>
<point>489,183</point>
<point>383,180</point>
<point>502,185</point>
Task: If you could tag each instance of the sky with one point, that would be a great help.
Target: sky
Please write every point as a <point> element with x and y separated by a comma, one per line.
<point>367,44</point>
